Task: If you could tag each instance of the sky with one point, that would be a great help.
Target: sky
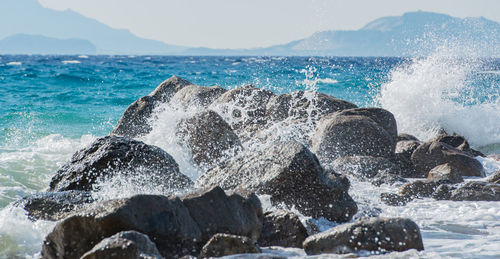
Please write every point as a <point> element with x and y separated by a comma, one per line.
<point>255,23</point>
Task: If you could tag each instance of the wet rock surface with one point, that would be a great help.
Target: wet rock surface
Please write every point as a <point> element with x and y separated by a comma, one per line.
<point>110,156</point>
<point>135,119</point>
<point>225,244</point>
<point>209,138</point>
<point>364,166</point>
<point>376,234</point>
<point>291,174</point>
<point>124,245</point>
<point>193,95</point>
<point>282,228</point>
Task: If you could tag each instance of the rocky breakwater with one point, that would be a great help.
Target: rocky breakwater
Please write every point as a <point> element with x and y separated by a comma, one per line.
<point>297,149</point>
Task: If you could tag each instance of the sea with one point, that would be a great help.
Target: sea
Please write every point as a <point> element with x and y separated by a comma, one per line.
<point>52,106</point>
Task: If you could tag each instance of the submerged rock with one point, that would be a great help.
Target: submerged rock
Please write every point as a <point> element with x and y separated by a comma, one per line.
<point>431,154</point>
<point>376,234</point>
<point>290,174</point>
<point>124,245</point>
<point>342,134</point>
<point>304,105</point>
<point>282,228</point>
<point>225,244</point>
<point>177,227</point>
<point>135,119</point>
<point>209,138</point>
<point>111,156</point>
<point>54,205</point>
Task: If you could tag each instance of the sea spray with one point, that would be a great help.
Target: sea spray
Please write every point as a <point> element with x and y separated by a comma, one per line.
<point>437,93</point>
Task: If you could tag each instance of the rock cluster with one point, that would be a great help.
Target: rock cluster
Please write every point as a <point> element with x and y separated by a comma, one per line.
<point>232,137</point>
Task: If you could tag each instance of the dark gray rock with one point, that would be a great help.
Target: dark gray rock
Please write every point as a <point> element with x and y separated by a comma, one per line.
<point>304,105</point>
<point>282,228</point>
<point>405,137</point>
<point>166,221</point>
<point>386,177</point>
<point>244,109</point>
<point>402,157</point>
<point>177,227</point>
<point>209,138</point>
<point>431,154</point>
<point>418,189</point>
<point>394,199</point>
<point>477,191</point>
<point>445,173</point>
<point>364,166</point>
<point>376,234</point>
<point>111,156</point>
<point>458,142</point>
<point>340,135</point>
<point>238,213</point>
<point>225,244</point>
<point>494,178</point>
<point>135,119</point>
<point>443,192</point>
<point>382,117</point>
<point>193,95</point>
<point>54,205</point>
<point>124,245</point>
<point>290,174</point>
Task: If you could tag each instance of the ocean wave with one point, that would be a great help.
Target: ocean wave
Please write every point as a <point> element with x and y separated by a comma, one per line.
<point>83,56</point>
<point>14,63</point>
<point>65,62</point>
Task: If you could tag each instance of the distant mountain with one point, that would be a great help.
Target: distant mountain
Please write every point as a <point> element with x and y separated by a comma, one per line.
<point>414,33</point>
<point>37,44</point>
<point>29,17</point>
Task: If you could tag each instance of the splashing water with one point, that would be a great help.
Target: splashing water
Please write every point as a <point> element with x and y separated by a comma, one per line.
<point>438,93</point>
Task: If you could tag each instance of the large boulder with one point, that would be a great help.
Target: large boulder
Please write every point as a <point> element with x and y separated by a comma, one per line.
<point>291,175</point>
<point>177,227</point>
<point>238,213</point>
<point>340,135</point>
<point>124,245</point>
<point>209,138</point>
<point>382,117</point>
<point>445,173</point>
<point>54,205</point>
<point>225,244</point>
<point>282,228</point>
<point>244,108</point>
<point>476,191</point>
<point>304,105</point>
<point>458,142</point>
<point>376,234</point>
<point>194,95</point>
<point>135,119</point>
<point>431,154</point>
<point>402,157</point>
<point>114,156</point>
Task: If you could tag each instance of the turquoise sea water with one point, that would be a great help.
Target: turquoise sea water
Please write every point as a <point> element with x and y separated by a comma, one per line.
<point>52,105</point>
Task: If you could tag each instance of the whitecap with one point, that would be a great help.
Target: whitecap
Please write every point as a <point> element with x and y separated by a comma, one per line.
<point>71,62</point>
<point>14,63</point>
<point>83,56</point>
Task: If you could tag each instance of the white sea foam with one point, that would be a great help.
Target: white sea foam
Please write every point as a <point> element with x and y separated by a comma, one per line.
<point>65,62</point>
<point>14,63</point>
<point>435,93</point>
<point>83,56</point>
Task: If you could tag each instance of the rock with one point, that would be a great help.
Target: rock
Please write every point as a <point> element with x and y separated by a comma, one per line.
<point>244,108</point>
<point>282,228</point>
<point>177,227</point>
<point>445,173</point>
<point>224,244</point>
<point>418,189</point>
<point>402,157</point>
<point>341,135</point>
<point>111,156</point>
<point>431,154</point>
<point>291,175</point>
<point>494,178</point>
<point>458,142</point>
<point>54,205</point>
<point>363,166</point>
<point>238,213</point>
<point>394,199</point>
<point>135,119</point>
<point>386,177</point>
<point>166,221</point>
<point>375,234</point>
<point>302,105</point>
<point>406,147</point>
<point>406,137</point>
<point>382,117</point>
<point>442,192</point>
<point>124,245</point>
<point>209,138</point>
<point>193,95</point>
<point>477,191</point>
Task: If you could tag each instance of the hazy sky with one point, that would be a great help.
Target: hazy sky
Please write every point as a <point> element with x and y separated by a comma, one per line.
<point>255,23</point>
